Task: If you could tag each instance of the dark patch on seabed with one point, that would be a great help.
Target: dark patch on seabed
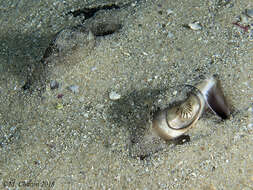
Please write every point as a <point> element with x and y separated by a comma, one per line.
<point>134,112</point>
<point>90,12</point>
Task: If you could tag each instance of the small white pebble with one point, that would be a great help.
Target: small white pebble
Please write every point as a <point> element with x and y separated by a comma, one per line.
<point>114,96</point>
<point>93,68</point>
<point>81,99</point>
<point>169,11</point>
<point>195,26</point>
<point>86,115</point>
<point>175,93</point>
<point>170,35</point>
<point>133,4</point>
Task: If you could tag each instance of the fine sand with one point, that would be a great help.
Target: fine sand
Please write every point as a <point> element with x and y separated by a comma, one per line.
<point>81,139</point>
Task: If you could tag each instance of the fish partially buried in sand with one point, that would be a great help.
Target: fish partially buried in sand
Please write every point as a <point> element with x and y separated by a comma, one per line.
<point>69,46</point>
<point>174,121</point>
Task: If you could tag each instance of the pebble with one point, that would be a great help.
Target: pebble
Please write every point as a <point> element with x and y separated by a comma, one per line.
<point>175,93</point>
<point>170,35</point>
<point>86,115</point>
<point>114,96</point>
<point>169,12</point>
<point>195,26</point>
<point>93,68</point>
<point>81,99</point>
<point>74,88</point>
<point>54,84</point>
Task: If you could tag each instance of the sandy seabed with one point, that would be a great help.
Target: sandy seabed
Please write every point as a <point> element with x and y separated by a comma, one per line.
<point>82,140</point>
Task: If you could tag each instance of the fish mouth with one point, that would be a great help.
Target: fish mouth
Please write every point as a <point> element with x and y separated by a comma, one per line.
<point>174,121</point>
<point>214,96</point>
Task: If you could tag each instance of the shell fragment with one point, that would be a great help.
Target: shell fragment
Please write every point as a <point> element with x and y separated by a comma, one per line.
<point>195,26</point>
